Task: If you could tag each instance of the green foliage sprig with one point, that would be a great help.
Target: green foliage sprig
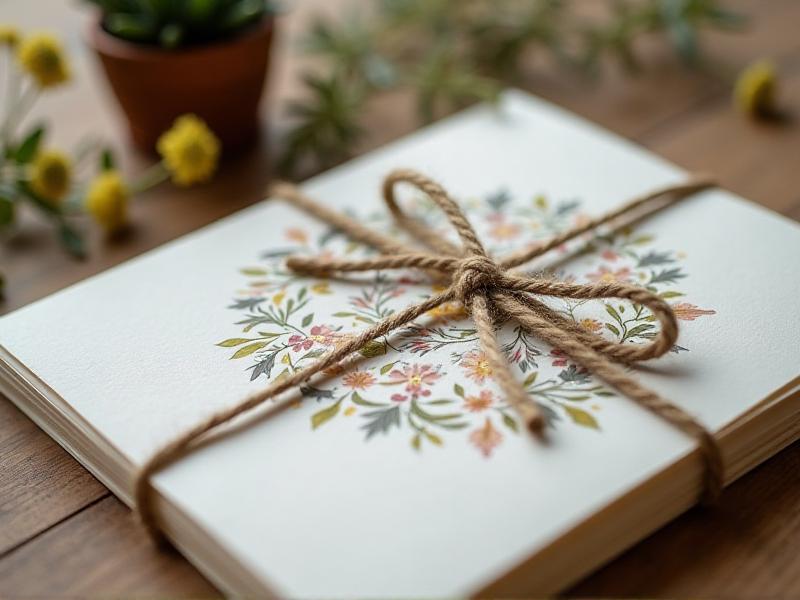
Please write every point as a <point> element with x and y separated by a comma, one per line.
<point>174,23</point>
<point>452,52</point>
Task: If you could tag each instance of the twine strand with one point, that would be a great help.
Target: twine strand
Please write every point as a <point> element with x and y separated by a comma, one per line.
<point>488,290</point>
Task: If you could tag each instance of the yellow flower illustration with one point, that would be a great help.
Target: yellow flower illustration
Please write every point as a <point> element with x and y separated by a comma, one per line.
<point>321,288</point>
<point>755,88</point>
<point>190,150</point>
<point>592,325</point>
<point>9,35</point>
<point>43,58</point>
<point>448,310</point>
<point>50,175</point>
<point>107,200</point>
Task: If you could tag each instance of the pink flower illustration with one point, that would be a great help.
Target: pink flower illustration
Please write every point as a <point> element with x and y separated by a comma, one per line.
<point>609,255</point>
<point>298,342</point>
<point>607,275</point>
<point>415,377</point>
<point>689,312</point>
<point>480,402</point>
<point>486,438</point>
<point>559,356</point>
<point>320,334</point>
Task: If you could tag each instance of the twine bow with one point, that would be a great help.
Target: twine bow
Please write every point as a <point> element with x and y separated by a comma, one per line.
<point>489,289</point>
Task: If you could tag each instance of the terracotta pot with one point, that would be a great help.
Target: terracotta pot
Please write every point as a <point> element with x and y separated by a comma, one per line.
<point>221,83</point>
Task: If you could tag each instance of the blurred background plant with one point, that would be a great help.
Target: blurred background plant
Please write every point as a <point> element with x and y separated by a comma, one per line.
<point>449,53</point>
<point>49,179</point>
<point>174,23</point>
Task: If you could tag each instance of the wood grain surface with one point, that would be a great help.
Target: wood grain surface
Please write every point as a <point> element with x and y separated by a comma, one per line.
<point>62,533</point>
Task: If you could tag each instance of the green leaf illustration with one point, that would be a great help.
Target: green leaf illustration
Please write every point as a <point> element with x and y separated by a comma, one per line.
<point>372,349</point>
<point>253,272</point>
<point>671,294</point>
<point>325,415</point>
<point>459,391</point>
<point>230,343</point>
<point>248,350</point>
<point>581,417</point>
<point>510,423</point>
<point>530,379</point>
<point>307,320</point>
<point>381,421</point>
<point>357,399</point>
<point>387,367</point>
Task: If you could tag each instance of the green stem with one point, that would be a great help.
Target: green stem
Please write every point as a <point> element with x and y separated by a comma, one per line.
<point>150,177</point>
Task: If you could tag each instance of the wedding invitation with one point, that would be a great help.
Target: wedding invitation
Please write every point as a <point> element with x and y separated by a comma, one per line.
<point>404,472</point>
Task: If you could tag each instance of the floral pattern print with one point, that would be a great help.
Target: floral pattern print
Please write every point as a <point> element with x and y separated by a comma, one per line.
<point>400,385</point>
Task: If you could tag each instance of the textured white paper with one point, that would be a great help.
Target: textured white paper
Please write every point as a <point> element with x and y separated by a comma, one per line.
<point>325,512</point>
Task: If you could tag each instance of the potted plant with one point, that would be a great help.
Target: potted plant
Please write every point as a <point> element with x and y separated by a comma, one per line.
<point>164,58</point>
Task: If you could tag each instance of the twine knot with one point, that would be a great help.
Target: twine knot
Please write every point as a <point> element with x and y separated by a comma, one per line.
<point>485,286</point>
<point>475,274</point>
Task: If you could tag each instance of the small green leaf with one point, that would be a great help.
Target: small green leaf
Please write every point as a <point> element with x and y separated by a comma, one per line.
<point>325,415</point>
<point>107,161</point>
<point>29,146</point>
<point>357,399</point>
<point>230,343</point>
<point>307,320</point>
<point>612,329</point>
<point>387,367</point>
<point>579,398</point>
<point>6,211</point>
<point>372,349</point>
<point>510,423</point>
<point>416,442</point>
<point>458,390</point>
<point>344,314</point>
<point>639,329</point>
<point>530,379</point>
<point>248,350</point>
<point>253,272</point>
<point>612,311</point>
<point>671,294</point>
<point>581,417</point>
<point>72,241</point>
<point>432,438</point>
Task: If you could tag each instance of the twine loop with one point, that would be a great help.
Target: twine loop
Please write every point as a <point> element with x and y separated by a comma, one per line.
<point>488,288</point>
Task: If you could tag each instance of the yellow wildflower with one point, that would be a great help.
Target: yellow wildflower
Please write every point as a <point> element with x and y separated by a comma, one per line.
<point>755,89</point>
<point>50,175</point>
<point>43,58</point>
<point>321,288</point>
<point>107,201</point>
<point>190,150</point>
<point>9,35</point>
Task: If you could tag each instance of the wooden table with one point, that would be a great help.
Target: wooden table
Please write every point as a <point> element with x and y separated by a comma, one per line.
<point>62,533</point>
